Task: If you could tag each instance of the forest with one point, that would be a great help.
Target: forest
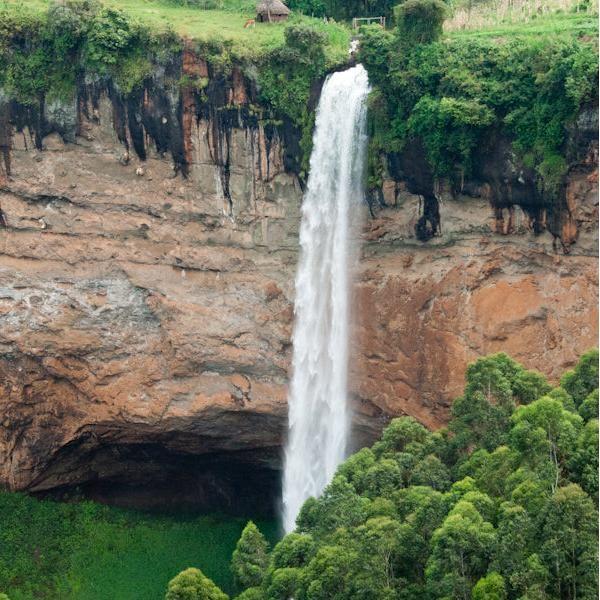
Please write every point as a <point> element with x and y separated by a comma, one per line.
<point>500,504</point>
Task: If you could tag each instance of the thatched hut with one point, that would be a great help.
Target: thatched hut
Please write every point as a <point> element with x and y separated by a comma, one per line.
<point>271,11</point>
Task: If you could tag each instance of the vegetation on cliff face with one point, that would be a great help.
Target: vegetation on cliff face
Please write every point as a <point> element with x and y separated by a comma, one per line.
<point>447,93</point>
<point>49,52</point>
<point>452,93</point>
<point>499,505</point>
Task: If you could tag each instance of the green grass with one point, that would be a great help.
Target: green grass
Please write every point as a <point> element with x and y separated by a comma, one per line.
<point>557,24</point>
<point>225,24</point>
<point>84,551</point>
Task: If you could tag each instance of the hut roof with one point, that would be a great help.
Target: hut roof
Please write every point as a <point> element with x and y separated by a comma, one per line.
<point>275,7</point>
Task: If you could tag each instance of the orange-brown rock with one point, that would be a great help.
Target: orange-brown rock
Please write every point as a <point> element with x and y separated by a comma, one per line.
<point>425,311</point>
<point>146,317</point>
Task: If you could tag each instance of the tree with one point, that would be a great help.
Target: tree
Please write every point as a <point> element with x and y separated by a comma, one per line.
<point>378,541</point>
<point>460,553</point>
<point>531,493</point>
<point>431,471</point>
<point>109,34</point>
<point>402,434</point>
<point>382,478</point>
<point>496,377</point>
<point>515,539</point>
<point>254,593</point>
<point>588,409</point>
<point>491,470</point>
<point>529,386</point>
<point>313,8</point>
<point>294,550</point>
<point>490,587</point>
<point>583,463</point>
<point>375,47</point>
<point>192,584</point>
<point>288,559</point>
<point>546,434</point>
<point>422,510</point>
<point>569,548</point>
<point>564,397</point>
<point>250,558</point>
<point>420,21</point>
<point>330,573</point>
<point>583,379</point>
<point>358,566</point>
<point>283,584</point>
<point>531,580</point>
<point>482,415</point>
<point>356,466</point>
<point>339,506</point>
<point>484,505</point>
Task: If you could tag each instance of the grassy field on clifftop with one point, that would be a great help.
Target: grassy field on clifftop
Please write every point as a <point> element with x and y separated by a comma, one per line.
<point>225,24</point>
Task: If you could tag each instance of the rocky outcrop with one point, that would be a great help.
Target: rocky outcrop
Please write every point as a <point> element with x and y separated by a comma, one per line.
<point>146,296</point>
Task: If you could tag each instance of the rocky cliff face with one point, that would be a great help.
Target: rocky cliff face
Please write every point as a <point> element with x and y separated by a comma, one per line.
<point>146,296</point>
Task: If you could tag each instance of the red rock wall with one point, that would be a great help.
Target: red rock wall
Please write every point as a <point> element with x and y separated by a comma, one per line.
<point>139,306</point>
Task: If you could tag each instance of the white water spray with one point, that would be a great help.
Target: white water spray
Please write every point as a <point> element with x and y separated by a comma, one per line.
<point>319,419</point>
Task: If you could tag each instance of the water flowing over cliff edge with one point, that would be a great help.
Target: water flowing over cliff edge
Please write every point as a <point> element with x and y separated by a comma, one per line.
<point>319,419</point>
<point>146,302</point>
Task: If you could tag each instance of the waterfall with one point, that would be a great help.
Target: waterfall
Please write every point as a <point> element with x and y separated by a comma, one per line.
<point>319,420</point>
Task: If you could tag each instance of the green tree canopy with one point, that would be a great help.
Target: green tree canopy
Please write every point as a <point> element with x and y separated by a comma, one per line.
<point>570,543</point>
<point>250,558</point>
<point>420,21</point>
<point>583,379</point>
<point>490,587</point>
<point>192,584</point>
<point>498,507</point>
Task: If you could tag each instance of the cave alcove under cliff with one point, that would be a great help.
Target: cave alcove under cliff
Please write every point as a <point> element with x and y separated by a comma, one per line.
<point>158,475</point>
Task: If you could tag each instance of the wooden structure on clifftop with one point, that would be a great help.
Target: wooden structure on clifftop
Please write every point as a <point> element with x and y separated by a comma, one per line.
<point>358,21</point>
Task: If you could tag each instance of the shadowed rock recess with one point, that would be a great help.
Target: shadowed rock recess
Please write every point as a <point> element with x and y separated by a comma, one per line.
<point>148,246</point>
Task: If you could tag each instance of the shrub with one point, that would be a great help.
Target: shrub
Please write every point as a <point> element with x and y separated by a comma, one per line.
<point>110,33</point>
<point>192,584</point>
<point>420,21</point>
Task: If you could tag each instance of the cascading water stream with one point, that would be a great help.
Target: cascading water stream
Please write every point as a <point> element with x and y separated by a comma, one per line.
<point>319,419</point>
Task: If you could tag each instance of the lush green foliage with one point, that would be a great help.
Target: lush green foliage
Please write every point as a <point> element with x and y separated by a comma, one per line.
<point>192,584</point>
<point>43,54</point>
<point>224,22</point>
<point>51,550</point>
<point>250,557</point>
<point>287,74</point>
<point>500,505</point>
<point>344,9</point>
<point>452,94</point>
<point>419,21</point>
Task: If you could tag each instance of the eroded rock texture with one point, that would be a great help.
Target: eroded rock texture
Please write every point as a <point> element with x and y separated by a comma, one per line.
<point>146,296</point>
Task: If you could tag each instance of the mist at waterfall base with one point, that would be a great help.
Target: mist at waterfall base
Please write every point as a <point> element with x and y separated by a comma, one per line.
<point>319,417</point>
